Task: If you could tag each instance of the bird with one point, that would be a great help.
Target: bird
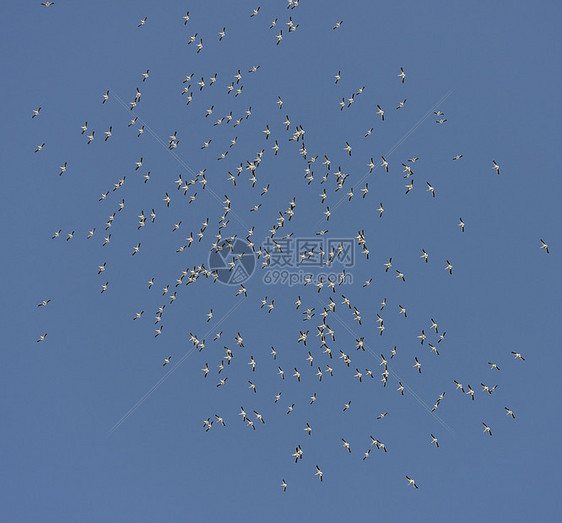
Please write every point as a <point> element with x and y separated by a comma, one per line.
<point>384,163</point>
<point>411,482</point>
<point>434,440</point>
<point>338,24</point>
<point>166,361</point>
<point>402,75</point>
<point>430,189</point>
<point>544,246</point>
<point>35,112</point>
<point>47,4</point>
<point>39,147</point>
<point>487,429</point>
<point>381,113</point>
<point>461,224</point>
<point>518,356</point>
<point>346,445</point>
<point>44,303</point>
<point>143,21</point>
<point>42,337</point>
<point>509,412</point>
<point>284,485</point>
<point>496,166</point>
<point>319,473</point>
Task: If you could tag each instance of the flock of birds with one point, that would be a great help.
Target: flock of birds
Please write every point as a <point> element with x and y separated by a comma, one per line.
<point>325,333</point>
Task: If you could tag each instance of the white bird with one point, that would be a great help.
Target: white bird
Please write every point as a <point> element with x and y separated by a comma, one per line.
<point>411,482</point>
<point>36,112</point>
<point>402,74</point>
<point>430,189</point>
<point>318,473</point>
<point>544,246</point>
<point>496,166</point>
<point>487,429</point>
<point>166,361</point>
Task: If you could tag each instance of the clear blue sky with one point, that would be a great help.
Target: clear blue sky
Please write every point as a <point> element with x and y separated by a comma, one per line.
<point>71,452</point>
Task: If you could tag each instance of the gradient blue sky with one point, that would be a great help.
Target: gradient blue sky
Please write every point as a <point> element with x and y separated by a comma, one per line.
<point>496,69</point>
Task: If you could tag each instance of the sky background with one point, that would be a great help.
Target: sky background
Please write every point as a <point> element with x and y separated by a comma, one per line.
<point>71,452</point>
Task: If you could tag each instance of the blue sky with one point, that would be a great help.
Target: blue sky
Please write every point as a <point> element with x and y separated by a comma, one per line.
<point>96,429</point>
